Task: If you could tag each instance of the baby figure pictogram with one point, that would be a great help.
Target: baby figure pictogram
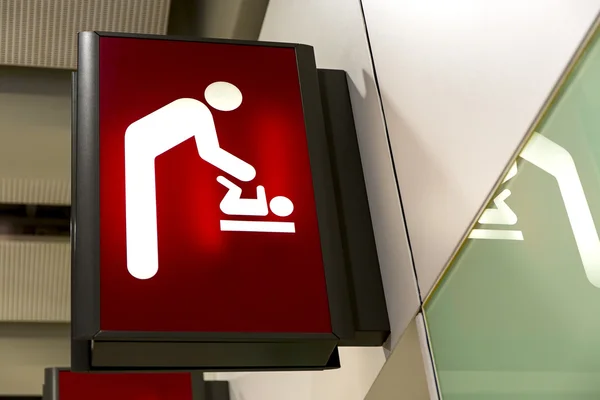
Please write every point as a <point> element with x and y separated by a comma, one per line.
<point>225,96</point>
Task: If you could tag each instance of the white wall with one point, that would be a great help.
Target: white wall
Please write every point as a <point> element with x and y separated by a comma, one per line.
<point>336,29</point>
<point>461,81</point>
<point>25,350</point>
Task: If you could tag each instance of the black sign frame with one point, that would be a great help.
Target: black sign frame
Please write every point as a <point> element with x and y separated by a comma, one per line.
<point>353,279</point>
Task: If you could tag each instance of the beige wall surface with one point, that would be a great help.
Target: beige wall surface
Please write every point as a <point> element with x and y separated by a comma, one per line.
<point>25,350</point>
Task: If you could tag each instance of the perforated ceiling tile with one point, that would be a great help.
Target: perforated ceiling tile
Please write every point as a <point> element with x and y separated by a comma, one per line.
<point>43,33</point>
<point>34,191</point>
<point>34,281</point>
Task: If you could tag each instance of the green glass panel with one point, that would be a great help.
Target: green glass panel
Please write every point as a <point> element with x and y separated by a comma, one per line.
<point>517,316</point>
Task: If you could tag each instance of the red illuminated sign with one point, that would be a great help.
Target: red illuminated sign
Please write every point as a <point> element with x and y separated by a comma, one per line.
<point>66,385</point>
<point>198,143</point>
<point>203,207</point>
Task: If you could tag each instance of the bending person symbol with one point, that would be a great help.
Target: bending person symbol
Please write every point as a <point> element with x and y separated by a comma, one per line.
<point>146,139</point>
<point>159,132</point>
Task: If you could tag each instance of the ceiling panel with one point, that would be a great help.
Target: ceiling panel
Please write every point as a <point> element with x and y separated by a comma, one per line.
<point>43,33</point>
<point>35,281</point>
<point>35,135</point>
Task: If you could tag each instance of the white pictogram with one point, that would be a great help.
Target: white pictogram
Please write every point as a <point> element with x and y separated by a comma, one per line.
<point>501,215</point>
<point>166,128</point>
<point>558,162</point>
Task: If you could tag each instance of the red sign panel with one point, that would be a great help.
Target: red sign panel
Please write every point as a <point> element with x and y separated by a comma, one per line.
<point>207,211</point>
<point>108,386</point>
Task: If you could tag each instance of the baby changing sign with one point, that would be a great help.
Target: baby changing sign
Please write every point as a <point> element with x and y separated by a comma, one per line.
<point>62,384</point>
<point>202,149</point>
<point>202,200</point>
<point>162,130</point>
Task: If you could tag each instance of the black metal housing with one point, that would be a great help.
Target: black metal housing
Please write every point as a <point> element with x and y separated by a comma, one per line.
<point>355,292</point>
<point>369,310</point>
